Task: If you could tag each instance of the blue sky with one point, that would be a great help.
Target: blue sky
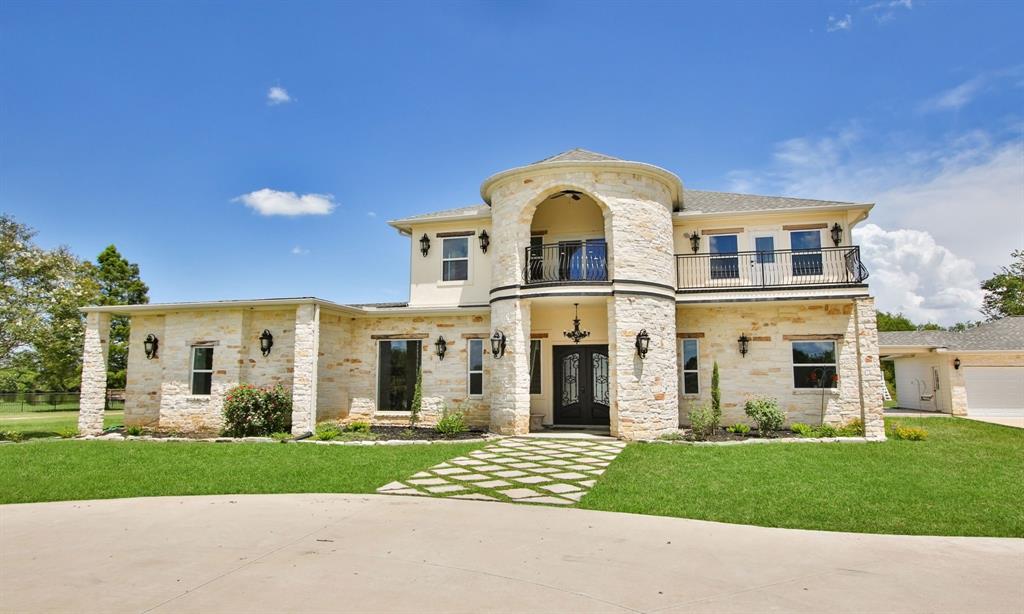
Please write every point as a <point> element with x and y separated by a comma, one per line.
<point>142,125</point>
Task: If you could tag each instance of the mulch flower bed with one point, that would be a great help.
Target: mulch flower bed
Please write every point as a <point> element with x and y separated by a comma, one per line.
<point>405,432</point>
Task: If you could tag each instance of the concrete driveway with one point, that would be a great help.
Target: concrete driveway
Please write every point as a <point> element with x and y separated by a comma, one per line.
<point>417,554</point>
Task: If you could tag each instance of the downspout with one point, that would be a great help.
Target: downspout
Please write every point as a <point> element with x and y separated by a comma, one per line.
<point>860,368</point>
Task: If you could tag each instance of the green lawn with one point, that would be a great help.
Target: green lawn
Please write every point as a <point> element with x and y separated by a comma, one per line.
<point>66,470</point>
<point>48,423</point>
<point>966,479</point>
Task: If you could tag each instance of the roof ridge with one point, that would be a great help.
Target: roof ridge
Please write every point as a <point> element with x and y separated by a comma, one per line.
<point>819,200</point>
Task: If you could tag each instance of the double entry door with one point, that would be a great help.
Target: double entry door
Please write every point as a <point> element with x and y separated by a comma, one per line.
<point>581,384</point>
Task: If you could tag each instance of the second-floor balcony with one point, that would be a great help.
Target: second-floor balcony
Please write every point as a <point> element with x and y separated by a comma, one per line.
<point>826,266</point>
<point>566,262</point>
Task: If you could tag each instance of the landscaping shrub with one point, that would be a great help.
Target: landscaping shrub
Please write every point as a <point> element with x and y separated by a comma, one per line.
<point>853,428</point>
<point>11,435</point>
<point>417,400</point>
<point>826,430</point>
<point>702,422</point>
<point>451,423</point>
<point>765,412</point>
<point>67,432</point>
<point>358,426</point>
<point>716,398</point>
<point>910,433</point>
<point>251,411</point>
<point>326,431</point>
<point>801,429</point>
<point>281,436</point>
<point>673,436</point>
<point>739,429</point>
<point>133,430</point>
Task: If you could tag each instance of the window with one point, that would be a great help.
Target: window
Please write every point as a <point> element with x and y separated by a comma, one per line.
<point>202,369</point>
<point>534,366</point>
<point>814,364</point>
<point>455,259</point>
<point>398,363</point>
<point>691,379</point>
<point>808,242</point>
<point>727,267</point>
<point>476,367</point>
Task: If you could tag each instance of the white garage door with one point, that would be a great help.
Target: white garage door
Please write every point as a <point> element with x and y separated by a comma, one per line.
<point>995,391</point>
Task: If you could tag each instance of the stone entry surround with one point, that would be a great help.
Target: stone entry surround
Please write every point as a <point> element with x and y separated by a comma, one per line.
<point>516,470</point>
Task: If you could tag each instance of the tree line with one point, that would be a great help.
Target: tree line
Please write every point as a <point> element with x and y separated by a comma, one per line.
<point>41,327</point>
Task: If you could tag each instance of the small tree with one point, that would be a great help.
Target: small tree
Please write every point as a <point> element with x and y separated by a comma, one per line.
<point>417,400</point>
<point>716,398</point>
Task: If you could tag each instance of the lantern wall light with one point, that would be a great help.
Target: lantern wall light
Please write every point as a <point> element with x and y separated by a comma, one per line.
<point>498,344</point>
<point>441,346</point>
<point>424,245</point>
<point>694,241</point>
<point>837,234</point>
<point>643,343</point>
<point>150,345</point>
<point>266,342</point>
<point>956,364</point>
<point>744,342</point>
<point>485,241</point>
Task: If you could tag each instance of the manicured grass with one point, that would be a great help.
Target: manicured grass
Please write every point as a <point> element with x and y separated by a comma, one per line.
<point>47,424</point>
<point>966,479</point>
<point>67,470</point>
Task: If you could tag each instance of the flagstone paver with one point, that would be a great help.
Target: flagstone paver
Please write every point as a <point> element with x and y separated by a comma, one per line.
<point>518,470</point>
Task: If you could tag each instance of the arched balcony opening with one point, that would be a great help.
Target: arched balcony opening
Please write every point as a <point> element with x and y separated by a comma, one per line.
<point>567,241</point>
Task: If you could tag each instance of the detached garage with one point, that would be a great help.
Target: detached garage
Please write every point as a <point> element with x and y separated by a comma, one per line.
<point>977,372</point>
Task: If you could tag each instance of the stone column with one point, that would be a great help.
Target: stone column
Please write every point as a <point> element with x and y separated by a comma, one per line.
<point>304,376</point>
<point>93,399</point>
<point>510,374</point>
<point>645,394</point>
<point>870,371</point>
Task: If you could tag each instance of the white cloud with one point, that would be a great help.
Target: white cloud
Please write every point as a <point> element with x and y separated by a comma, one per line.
<point>277,95</point>
<point>839,23</point>
<point>912,274</point>
<point>955,98</point>
<point>885,11</point>
<point>274,202</point>
<point>966,193</point>
<point>298,250</point>
<point>371,214</point>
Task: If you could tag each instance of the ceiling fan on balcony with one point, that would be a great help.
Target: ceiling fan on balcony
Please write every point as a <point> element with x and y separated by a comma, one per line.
<point>573,193</point>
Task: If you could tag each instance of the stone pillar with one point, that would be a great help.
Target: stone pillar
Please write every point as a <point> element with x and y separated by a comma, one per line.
<point>93,399</point>
<point>510,374</point>
<point>645,394</point>
<point>304,376</point>
<point>957,388</point>
<point>870,371</point>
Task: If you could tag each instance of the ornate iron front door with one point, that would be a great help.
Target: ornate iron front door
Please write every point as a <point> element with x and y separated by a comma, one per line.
<point>581,384</point>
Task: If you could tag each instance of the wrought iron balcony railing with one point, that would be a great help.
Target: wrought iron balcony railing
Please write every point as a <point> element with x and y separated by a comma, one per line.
<point>567,262</point>
<point>827,266</point>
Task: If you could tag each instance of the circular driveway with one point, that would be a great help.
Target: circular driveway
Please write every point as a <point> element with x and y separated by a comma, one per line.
<point>369,553</point>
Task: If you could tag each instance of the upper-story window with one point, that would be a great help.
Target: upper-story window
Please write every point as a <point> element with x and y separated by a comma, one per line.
<point>725,264</point>
<point>806,246</point>
<point>455,259</point>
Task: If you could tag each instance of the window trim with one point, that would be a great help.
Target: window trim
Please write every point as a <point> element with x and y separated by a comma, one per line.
<point>683,370</point>
<point>540,362</point>
<point>444,260</point>
<point>794,365</point>
<point>192,371</point>
<point>376,373</point>
<point>470,371</point>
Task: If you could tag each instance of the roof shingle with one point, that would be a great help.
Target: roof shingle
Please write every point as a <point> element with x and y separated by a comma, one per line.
<point>1004,334</point>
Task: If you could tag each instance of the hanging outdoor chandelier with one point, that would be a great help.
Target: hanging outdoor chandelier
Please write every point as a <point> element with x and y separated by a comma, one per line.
<point>576,334</point>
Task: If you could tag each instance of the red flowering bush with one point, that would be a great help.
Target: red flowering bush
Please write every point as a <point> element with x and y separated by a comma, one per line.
<point>251,411</point>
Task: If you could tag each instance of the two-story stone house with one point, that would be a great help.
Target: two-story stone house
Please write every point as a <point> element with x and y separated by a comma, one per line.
<point>663,281</point>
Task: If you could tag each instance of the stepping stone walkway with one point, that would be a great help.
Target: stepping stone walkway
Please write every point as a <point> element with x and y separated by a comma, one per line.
<point>517,470</point>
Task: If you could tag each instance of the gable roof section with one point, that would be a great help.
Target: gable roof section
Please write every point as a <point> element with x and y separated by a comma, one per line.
<point>578,155</point>
<point>1002,335</point>
<point>700,201</point>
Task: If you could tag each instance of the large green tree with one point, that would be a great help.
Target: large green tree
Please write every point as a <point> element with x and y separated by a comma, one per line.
<point>119,284</point>
<point>1004,291</point>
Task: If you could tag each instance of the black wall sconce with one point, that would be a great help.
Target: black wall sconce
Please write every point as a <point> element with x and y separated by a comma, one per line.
<point>485,241</point>
<point>643,343</point>
<point>695,241</point>
<point>424,245</point>
<point>498,344</point>
<point>837,234</point>
<point>151,344</point>
<point>956,364</point>
<point>266,342</point>
<point>744,341</point>
<point>441,346</point>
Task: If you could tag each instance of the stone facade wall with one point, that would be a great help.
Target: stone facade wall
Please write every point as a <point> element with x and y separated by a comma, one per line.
<point>277,368</point>
<point>510,374</point>
<point>94,373</point>
<point>767,367</point>
<point>142,389</point>
<point>333,387</point>
<point>444,381</point>
<point>644,391</point>
<point>304,382</point>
